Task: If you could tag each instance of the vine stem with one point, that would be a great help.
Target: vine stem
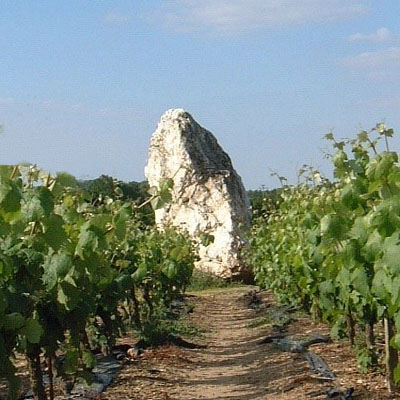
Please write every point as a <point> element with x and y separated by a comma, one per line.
<point>51,376</point>
<point>36,375</point>
<point>350,326</point>
<point>369,335</point>
<point>147,201</point>
<point>14,172</point>
<point>387,143</point>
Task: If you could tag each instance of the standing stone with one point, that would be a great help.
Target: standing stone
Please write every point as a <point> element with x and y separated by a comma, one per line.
<point>208,195</point>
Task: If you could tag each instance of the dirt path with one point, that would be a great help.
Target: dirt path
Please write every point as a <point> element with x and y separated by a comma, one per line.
<point>234,366</point>
<point>231,367</point>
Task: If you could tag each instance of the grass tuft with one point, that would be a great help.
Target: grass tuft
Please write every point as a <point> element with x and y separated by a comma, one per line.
<point>203,280</point>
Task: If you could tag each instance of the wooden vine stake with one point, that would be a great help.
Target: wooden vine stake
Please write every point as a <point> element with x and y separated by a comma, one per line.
<point>391,355</point>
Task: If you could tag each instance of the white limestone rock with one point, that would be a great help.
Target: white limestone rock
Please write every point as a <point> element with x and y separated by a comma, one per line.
<point>207,196</point>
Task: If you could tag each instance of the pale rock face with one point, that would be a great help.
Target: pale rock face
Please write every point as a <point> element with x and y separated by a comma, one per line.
<point>208,195</point>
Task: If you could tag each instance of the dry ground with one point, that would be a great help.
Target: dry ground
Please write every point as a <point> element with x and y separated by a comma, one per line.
<point>234,366</point>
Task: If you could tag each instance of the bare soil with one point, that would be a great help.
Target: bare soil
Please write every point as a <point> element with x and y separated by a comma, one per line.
<point>234,366</point>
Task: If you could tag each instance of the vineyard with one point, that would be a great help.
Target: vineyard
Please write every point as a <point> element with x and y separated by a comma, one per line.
<point>76,272</point>
<point>333,247</point>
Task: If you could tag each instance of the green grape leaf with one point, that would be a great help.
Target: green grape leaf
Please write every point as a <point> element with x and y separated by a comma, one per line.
<point>339,161</point>
<point>163,195</point>
<point>5,227</point>
<point>54,233</point>
<point>68,295</point>
<point>373,247</point>
<point>396,372</point>
<point>161,200</point>
<point>99,221</point>
<point>391,252</point>
<point>396,318</point>
<point>384,164</point>
<point>46,200</point>
<point>56,267</point>
<point>386,218</point>
<point>344,277</point>
<point>359,281</point>
<point>13,321</point>
<point>355,166</point>
<point>88,241</point>
<point>10,200</point>
<point>333,226</point>
<point>395,289</point>
<point>349,197</point>
<point>170,269</point>
<point>359,230</point>
<point>381,284</point>
<point>89,359</point>
<point>140,273</point>
<point>119,222</point>
<point>153,191</point>
<point>206,239</point>
<point>166,184</point>
<point>118,191</point>
<point>71,362</point>
<point>32,330</point>
<point>32,208</point>
<point>123,264</point>
<point>124,281</point>
<point>375,186</point>
<point>178,253</point>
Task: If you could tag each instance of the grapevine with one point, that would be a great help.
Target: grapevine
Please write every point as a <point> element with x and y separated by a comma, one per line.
<point>333,247</point>
<point>75,273</point>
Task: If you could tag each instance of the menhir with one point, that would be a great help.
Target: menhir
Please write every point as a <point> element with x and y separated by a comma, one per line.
<point>208,196</point>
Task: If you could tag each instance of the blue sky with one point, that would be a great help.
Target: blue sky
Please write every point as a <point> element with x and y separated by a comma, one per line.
<point>84,83</point>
